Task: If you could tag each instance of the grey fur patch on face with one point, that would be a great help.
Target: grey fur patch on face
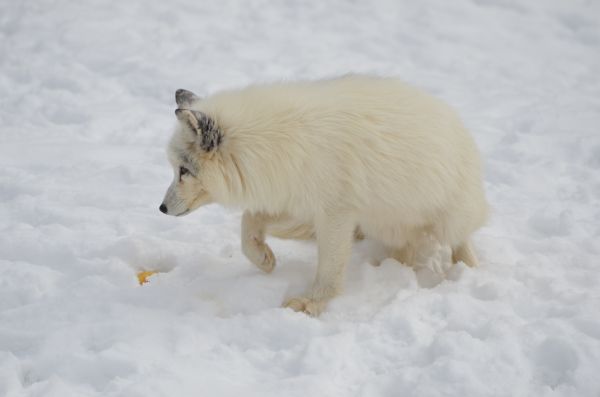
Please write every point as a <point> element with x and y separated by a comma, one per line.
<point>209,134</point>
<point>185,98</point>
<point>183,159</point>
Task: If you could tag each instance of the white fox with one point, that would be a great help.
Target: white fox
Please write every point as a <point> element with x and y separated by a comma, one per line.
<point>331,159</point>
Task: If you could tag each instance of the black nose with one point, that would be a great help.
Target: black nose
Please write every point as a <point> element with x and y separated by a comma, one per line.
<point>163,208</point>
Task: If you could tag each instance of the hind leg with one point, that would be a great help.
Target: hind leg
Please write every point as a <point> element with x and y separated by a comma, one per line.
<point>253,240</point>
<point>412,246</point>
<point>464,253</point>
<point>406,254</point>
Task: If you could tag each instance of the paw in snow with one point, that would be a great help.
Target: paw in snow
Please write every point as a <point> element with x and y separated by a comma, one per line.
<point>432,264</point>
<point>260,254</point>
<point>310,306</point>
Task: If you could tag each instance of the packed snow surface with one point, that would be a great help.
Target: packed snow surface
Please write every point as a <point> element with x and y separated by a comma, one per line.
<point>86,109</point>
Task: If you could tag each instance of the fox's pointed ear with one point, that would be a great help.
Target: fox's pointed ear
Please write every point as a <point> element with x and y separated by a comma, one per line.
<point>207,132</point>
<point>185,98</point>
<point>188,118</point>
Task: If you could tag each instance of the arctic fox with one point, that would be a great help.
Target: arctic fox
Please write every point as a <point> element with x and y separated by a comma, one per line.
<point>334,160</point>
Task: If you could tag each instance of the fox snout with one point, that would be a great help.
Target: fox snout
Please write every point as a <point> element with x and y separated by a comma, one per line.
<point>173,211</point>
<point>172,203</point>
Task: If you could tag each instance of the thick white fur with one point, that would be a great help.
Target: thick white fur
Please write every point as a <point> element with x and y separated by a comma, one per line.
<point>329,156</point>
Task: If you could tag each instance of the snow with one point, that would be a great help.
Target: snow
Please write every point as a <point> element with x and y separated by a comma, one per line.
<point>86,109</point>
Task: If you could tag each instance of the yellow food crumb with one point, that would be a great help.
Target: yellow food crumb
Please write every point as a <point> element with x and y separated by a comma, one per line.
<point>143,276</point>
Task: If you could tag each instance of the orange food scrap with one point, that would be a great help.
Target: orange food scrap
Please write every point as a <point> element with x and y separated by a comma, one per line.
<point>143,276</point>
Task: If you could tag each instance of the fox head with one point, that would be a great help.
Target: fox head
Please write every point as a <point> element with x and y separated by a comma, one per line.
<point>191,150</point>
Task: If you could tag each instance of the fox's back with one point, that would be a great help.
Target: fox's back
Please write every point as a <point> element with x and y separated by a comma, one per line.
<point>366,140</point>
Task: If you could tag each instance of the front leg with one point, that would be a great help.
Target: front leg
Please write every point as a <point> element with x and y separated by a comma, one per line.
<point>253,241</point>
<point>335,235</point>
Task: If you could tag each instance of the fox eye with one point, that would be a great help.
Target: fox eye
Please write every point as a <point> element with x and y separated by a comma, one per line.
<point>183,171</point>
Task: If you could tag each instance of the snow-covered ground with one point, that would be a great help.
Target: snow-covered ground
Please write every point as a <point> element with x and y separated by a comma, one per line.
<point>86,108</point>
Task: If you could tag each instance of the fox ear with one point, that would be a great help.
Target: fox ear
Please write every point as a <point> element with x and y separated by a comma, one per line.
<point>207,132</point>
<point>185,98</point>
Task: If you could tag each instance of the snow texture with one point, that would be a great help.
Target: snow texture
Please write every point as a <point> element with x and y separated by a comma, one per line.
<point>86,108</point>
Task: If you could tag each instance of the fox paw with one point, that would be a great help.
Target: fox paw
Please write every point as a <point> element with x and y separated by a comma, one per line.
<point>310,306</point>
<point>261,255</point>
